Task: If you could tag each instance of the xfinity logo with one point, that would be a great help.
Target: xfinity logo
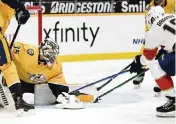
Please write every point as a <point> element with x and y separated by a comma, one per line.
<point>82,33</point>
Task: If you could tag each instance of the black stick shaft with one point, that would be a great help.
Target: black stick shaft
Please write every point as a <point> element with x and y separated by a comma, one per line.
<point>15,35</point>
<point>99,88</point>
<point>121,84</point>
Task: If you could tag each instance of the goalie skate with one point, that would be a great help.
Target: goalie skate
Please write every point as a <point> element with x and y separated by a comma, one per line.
<point>23,108</point>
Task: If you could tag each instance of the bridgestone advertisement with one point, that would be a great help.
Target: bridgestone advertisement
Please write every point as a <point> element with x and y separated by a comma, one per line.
<point>87,6</point>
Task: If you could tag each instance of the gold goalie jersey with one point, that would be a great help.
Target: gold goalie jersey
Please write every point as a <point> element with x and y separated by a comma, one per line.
<point>6,13</point>
<point>30,70</point>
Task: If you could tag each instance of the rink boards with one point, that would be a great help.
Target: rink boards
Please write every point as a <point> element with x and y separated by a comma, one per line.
<point>84,37</point>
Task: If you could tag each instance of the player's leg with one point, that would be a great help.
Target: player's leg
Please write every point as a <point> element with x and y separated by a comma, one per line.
<point>10,74</point>
<point>137,81</point>
<point>162,70</point>
<point>161,53</point>
<point>28,92</point>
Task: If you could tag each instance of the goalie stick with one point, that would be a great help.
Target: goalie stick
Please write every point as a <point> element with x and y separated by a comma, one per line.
<point>97,99</point>
<point>121,72</point>
<point>2,91</point>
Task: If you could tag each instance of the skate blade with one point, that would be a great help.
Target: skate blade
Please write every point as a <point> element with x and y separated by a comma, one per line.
<point>137,86</point>
<point>166,115</point>
<point>157,94</point>
<point>22,113</point>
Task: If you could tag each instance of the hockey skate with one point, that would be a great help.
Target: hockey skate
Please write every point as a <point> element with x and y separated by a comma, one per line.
<point>157,91</point>
<point>137,82</point>
<point>66,101</point>
<point>168,109</point>
<point>23,108</point>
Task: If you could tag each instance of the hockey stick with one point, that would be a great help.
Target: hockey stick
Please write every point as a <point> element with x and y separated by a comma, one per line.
<point>74,92</point>
<point>15,35</point>
<point>87,97</point>
<point>100,87</point>
<point>96,100</point>
<point>2,91</point>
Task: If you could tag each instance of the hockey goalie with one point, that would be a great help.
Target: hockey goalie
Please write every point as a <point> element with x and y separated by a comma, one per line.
<point>41,65</point>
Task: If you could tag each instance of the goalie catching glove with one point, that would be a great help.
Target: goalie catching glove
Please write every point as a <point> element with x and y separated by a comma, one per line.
<point>66,101</point>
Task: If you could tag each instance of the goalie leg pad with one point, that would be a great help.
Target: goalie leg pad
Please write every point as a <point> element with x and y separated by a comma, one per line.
<point>29,98</point>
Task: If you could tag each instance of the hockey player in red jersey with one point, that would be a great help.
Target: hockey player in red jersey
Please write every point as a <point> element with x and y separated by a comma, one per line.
<point>169,8</point>
<point>161,34</point>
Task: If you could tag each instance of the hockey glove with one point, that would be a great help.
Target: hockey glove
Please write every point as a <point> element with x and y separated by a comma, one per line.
<point>136,66</point>
<point>22,15</point>
<point>161,52</point>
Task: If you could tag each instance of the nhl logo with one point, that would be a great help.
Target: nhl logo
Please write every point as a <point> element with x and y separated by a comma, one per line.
<point>30,52</point>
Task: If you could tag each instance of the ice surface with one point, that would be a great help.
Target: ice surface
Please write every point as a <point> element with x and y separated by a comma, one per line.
<point>125,105</point>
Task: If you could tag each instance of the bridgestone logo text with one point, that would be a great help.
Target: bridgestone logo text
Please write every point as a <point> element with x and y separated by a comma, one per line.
<point>83,7</point>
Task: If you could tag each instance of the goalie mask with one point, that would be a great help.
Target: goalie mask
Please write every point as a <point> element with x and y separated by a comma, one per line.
<point>49,50</point>
<point>153,14</point>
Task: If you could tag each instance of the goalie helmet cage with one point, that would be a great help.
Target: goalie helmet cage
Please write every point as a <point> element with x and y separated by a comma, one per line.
<point>37,10</point>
